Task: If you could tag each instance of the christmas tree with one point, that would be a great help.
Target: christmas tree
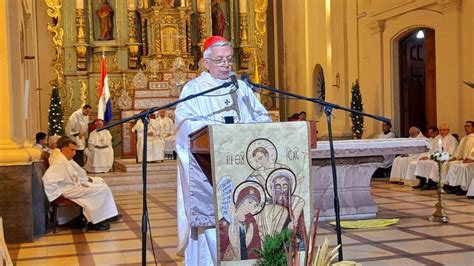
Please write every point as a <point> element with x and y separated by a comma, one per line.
<point>356,104</point>
<point>55,116</point>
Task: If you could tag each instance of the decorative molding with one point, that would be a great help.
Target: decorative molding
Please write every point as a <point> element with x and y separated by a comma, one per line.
<point>376,27</point>
<point>57,32</point>
<point>450,5</point>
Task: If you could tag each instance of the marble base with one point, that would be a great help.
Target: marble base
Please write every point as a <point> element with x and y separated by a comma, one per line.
<point>22,204</point>
<point>353,182</point>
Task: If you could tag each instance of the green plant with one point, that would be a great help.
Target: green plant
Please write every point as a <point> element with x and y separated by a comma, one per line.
<point>356,104</point>
<point>55,114</point>
<point>273,249</point>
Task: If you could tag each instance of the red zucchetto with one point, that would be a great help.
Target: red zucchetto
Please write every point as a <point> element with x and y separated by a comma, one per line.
<point>212,40</point>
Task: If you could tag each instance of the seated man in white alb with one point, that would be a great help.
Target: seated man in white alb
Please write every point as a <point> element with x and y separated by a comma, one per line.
<point>400,164</point>
<point>155,145</point>
<point>470,169</point>
<point>427,170</point>
<point>458,175</point>
<point>433,137</point>
<point>99,152</point>
<point>167,132</point>
<point>65,178</point>
<point>386,166</point>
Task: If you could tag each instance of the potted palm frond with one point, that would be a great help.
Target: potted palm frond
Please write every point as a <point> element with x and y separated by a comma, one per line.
<point>470,84</point>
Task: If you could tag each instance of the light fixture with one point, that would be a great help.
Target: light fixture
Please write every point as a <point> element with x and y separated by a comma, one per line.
<point>420,34</point>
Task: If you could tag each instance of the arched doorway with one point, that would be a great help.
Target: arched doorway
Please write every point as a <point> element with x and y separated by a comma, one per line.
<point>417,80</point>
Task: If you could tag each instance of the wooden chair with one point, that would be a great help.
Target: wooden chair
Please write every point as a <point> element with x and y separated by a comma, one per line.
<point>56,204</point>
<point>4,255</point>
<point>59,203</point>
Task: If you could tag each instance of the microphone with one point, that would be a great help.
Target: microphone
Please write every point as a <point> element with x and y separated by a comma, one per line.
<point>233,78</point>
<point>245,78</point>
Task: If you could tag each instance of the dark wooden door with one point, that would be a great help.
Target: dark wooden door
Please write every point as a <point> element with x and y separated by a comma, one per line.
<point>417,82</point>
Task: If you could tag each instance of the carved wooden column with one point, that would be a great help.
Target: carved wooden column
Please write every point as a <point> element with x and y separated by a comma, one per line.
<point>81,46</point>
<point>245,49</point>
<point>133,45</point>
<point>202,21</point>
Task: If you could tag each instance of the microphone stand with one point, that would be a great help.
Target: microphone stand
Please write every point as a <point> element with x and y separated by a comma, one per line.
<point>144,117</point>
<point>328,107</point>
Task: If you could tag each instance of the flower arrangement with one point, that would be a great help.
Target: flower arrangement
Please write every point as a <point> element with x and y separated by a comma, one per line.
<point>440,156</point>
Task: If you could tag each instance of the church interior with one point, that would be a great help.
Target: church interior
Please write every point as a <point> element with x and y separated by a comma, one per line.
<point>410,61</point>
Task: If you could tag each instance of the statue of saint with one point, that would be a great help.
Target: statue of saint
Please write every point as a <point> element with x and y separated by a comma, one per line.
<point>219,22</point>
<point>105,14</point>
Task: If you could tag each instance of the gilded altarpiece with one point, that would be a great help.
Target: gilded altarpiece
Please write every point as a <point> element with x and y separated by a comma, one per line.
<point>152,48</point>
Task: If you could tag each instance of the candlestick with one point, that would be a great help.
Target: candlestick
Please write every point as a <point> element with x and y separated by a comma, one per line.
<point>440,146</point>
<point>131,5</point>
<point>79,4</point>
<point>242,6</point>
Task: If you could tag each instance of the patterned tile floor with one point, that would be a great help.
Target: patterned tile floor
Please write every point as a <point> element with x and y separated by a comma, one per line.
<point>413,241</point>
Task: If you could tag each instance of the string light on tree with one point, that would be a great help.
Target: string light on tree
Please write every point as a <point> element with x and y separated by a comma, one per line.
<point>55,114</point>
<point>356,104</point>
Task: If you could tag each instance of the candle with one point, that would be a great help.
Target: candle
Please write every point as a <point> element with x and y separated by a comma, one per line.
<point>242,6</point>
<point>79,4</point>
<point>440,146</point>
<point>131,5</point>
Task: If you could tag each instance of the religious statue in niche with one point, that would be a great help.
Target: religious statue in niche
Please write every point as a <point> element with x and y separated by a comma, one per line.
<point>219,20</point>
<point>105,14</point>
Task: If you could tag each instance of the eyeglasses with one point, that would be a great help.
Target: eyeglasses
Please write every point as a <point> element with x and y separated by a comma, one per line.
<point>221,61</point>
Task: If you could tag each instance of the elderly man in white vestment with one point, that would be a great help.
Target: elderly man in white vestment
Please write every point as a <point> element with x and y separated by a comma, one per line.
<point>459,176</point>
<point>99,152</point>
<point>470,170</point>
<point>433,138</point>
<point>155,144</point>
<point>199,243</point>
<point>400,164</point>
<point>427,170</point>
<point>167,132</point>
<point>77,128</point>
<point>65,178</point>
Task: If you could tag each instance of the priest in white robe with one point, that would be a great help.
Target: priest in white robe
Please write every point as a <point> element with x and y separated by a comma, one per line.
<point>77,128</point>
<point>155,144</point>
<point>198,244</point>
<point>384,169</point>
<point>427,170</point>
<point>65,178</point>
<point>400,164</point>
<point>167,132</point>
<point>470,173</point>
<point>458,174</point>
<point>99,152</point>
